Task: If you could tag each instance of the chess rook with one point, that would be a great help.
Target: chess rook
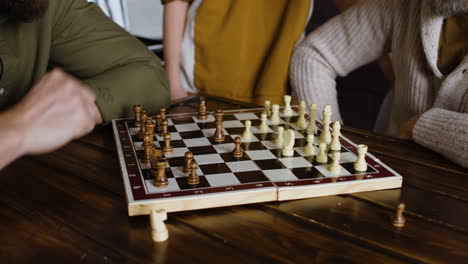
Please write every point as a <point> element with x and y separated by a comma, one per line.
<point>202,113</point>
<point>137,109</point>
<point>219,134</point>
<point>238,151</point>
<point>361,164</point>
<point>193,178</point>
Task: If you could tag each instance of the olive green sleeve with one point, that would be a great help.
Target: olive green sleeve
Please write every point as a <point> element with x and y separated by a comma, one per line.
<point>119,68</point>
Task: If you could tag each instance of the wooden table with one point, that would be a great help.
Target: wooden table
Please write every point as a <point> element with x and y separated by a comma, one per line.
<point>69,206</point>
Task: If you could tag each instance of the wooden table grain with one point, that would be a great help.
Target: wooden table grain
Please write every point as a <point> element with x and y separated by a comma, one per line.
<point>69,207</point>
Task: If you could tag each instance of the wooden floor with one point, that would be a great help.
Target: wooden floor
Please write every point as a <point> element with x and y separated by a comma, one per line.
<point>69,206</point>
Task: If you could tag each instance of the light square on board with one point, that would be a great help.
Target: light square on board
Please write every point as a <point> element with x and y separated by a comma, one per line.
<point>240,166</point>
<point>233,123</point>
<point>280,175</point>
<point>210,132</point>
<point>253,139</point>
<point>260,154</point>
<point>222,179</point>
<point>210,119</point>
<point>178,172</point>
<point>208,159</point>
<point>197,142</point>
<point>246,116</point>
<point>174,136</point>
<point>187,127</point>
<point>172,187</point>
<point>224,148</point>
<point>323,169</point>
<point>177,152</point>
<point>295,162</point>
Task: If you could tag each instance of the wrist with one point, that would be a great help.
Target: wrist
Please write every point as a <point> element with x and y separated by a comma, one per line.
<point>12,141</point>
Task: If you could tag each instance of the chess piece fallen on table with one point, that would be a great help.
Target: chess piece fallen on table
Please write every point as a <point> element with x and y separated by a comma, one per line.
<point>336,133</point>
<point>188,161</point>
<point>137,109</point>
<point>275,119</point>
<point>287,111</point>
<point>218,136</point>
<point>312,128</point>
<point>288,143</point>
<point>399,219</point>
<point>193,178</point>
<point>238,151</point>
<point>159,230</point>
<point>247,134</point>
<point>202,113</point>
<point>360,164</point>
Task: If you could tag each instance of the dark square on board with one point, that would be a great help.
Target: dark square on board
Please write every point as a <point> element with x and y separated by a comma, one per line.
<point>271,164</point>
<point>183,185</point>
<point>214,168</point>
<point>251,176</point>
<point>201,150</point>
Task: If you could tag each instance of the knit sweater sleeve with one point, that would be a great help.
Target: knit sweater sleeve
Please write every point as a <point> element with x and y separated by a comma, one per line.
<point>348,41</point>
<point>444,131</point>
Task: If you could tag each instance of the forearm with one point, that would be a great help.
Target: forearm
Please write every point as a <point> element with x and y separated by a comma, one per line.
<point>445,132</point>
<point>10,138</point>
<point>175,14</point>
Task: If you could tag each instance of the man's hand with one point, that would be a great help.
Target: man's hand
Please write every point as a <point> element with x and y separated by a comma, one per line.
<point>57,110</point>
<point>407,131</point>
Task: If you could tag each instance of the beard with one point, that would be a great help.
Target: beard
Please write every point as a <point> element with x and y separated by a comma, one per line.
<point>448,8</point>
<point>23,10</point>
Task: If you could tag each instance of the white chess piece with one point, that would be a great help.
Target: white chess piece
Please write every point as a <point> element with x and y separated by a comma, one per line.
<point>336,133</point>
<point>325,136</point>
<point>247,133</point>
<point>309,149</point>
<point>360,164</point>
<point>279,137</point>
<point>322,156</point>
<point>288,145</point>
<point>287,111</point>
<point>158,228</point>
<point>267,110</point>
<point>334,167</point>
<point>301,121</point>
<point>263,125</point>
<point>312,128</point>
<point>275,119</point>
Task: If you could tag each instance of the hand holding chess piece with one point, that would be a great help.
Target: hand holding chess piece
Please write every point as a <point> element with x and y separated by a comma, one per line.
<point>159,231</point>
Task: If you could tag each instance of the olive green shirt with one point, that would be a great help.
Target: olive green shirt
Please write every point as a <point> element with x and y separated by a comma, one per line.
<point>77,37</point>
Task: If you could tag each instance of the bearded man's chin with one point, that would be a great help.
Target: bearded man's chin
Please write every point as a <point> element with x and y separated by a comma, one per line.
<point>23,11</point>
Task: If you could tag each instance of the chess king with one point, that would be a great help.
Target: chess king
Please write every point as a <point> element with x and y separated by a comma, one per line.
<point>41,111</point>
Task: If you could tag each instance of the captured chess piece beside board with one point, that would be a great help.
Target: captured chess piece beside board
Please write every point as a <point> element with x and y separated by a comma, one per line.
<point>208,159</point>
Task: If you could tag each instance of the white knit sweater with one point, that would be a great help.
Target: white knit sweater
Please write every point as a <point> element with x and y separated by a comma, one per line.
<point>410,31</point>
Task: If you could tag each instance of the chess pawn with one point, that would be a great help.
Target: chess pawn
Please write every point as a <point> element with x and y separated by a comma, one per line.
<point>143,117</point>
<point>238,151</point>
<point>360,164</point>
<point>309,149</point>
<point>137,109</point>
<point>159,231</point>
<point>247,133</point>
<point>336,133</point>
<point>158,170</point>
<point>162,112</point>
<point>399,220</point>
<point>167,144</point>
<point>287,111</point>
<point>149,126</point>
<point>288,144</point>
<point>322,155</point>
<point>219,134</point>
<point>267,110</point>
<point>301,121</point>
<point>275,119</point>
<point>312,128</point>
<point>188,160</point>
<point>279,137</point>
<point>164,129</point>
<point>147,146</point>
<point>334,167</point>
<point>158,123</point>
<point>193,178</point>
<point>263,125</point>
<point>202,113</point>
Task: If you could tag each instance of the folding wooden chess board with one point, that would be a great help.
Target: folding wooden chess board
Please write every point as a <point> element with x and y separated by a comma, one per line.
<point>261,175</point>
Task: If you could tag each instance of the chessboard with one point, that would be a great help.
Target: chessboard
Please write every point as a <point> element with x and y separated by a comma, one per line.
<point>262,174</point>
